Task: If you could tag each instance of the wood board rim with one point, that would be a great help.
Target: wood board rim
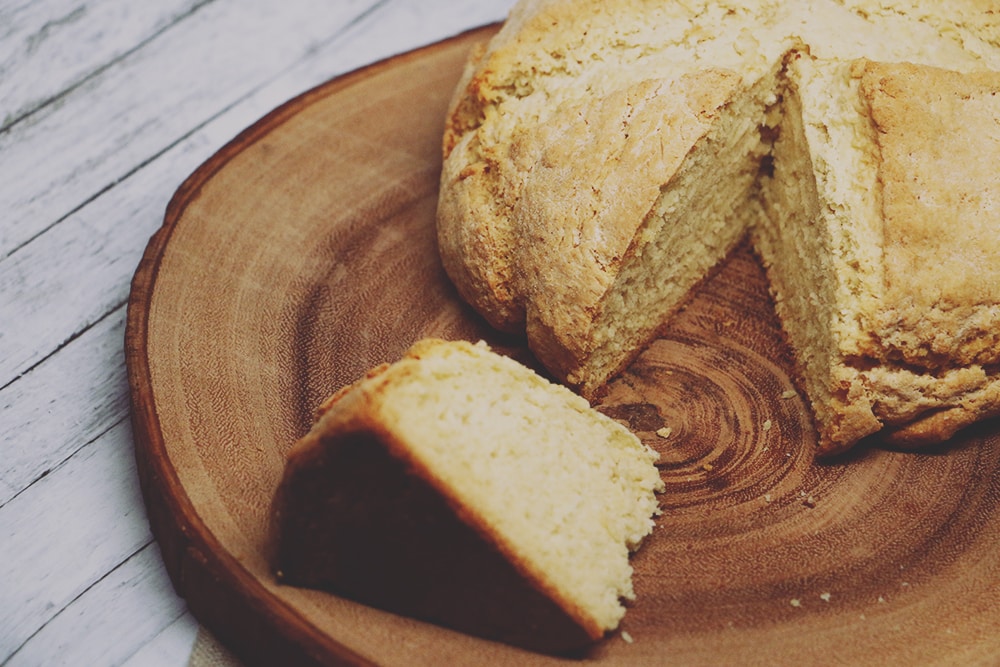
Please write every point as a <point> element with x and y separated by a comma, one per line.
<point>194,559</point>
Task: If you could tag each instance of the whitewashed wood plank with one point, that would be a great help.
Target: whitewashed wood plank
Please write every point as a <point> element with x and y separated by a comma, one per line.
<point>65,532</point>
<point>113,123</point>
<point>74,274</point>
<point>112,620</point>
<point>50,46</point>
<point>403,25</point>
<point>171,648</point>
<point>59,285</point>
<point>69,400</point>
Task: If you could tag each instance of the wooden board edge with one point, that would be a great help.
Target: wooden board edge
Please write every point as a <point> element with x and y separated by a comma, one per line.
<point>265,631</point>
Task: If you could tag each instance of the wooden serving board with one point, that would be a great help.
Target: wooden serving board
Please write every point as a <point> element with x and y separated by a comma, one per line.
<point>304,253</point>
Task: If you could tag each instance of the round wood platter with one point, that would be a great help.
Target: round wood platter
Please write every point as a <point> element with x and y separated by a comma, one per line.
<point>303,253</point>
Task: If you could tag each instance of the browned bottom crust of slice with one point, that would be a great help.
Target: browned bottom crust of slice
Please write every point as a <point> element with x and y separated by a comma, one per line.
<point>353,520</point>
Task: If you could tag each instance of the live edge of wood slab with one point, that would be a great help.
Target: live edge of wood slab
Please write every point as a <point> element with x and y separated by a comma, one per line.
<point>303,253</point>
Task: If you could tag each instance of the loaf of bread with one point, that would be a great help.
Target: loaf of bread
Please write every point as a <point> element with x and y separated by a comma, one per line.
<point>459,487</point>
<point>885,264</point>
<point>601,158</point>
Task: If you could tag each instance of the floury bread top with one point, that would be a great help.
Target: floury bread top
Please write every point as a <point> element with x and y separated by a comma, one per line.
<point>601,158</point>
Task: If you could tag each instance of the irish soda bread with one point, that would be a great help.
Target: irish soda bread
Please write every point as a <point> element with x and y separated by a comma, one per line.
<point>602,157</point>
<point>460,487</point>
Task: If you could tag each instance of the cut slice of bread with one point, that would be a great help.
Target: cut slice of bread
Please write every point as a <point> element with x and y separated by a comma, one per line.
<point>821,240</point>
<point>459,487</point>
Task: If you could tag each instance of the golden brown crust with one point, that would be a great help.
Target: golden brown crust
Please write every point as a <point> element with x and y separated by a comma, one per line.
<point>939,138</point>
<point>926,373</point>
<point>475,240</point>
<point>939,425</point>
<point>465,110</point>
<point>577,219</point>
<point>847,416</point>
<point>480,180</point>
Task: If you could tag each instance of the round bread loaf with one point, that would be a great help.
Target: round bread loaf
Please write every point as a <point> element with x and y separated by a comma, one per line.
<point>601,158</point>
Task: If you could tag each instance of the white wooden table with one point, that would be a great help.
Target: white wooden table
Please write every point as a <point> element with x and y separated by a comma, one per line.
<point>105,107</point>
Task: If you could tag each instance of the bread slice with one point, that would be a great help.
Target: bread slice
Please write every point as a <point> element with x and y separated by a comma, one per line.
<point>459,487</point>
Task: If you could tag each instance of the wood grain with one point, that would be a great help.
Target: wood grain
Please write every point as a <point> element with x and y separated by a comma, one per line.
<point>52,585</point>
<point>303,253</point>
<point>52,46</point>
<point>124,598</point>
<point>179,80</point>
